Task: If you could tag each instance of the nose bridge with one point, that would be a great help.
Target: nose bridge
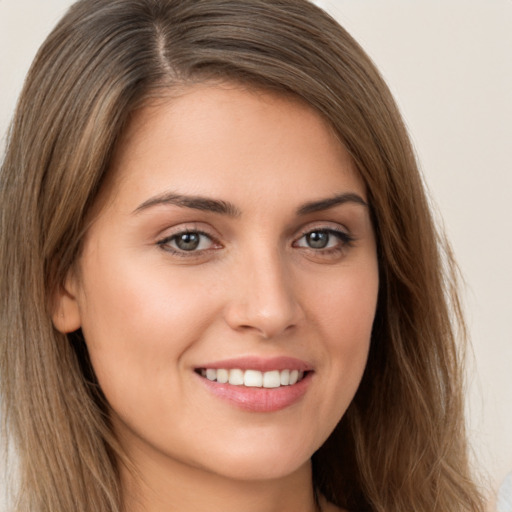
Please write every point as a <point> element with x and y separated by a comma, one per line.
<point>263,299</point>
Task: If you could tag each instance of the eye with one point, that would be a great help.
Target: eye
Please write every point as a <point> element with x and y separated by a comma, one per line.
<point>187,241</point>
<point>324,239</point>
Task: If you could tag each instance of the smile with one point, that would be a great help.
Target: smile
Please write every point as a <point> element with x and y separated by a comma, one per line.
<point>253,378</point>
<point>257,384</point>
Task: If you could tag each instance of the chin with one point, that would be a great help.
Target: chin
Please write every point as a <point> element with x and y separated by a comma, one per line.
<point>262,460</point>
<point>261,469</point>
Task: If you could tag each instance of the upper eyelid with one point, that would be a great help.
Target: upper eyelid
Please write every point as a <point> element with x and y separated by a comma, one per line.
<point>168,238</point>
<point>187,227</point>
<point>165,245</point>
<point>307,230</point>
<point>344,235</point>
<point>335,227</point>
<point>196,227</point>
<point>340,233</point>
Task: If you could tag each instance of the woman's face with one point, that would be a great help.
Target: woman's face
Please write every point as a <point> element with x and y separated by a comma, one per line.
<point>233,242</point>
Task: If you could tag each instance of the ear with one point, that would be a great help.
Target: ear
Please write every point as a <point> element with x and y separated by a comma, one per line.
<point>66,312</point>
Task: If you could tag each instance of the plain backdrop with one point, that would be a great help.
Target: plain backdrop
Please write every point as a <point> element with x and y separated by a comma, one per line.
<point>449,64</point>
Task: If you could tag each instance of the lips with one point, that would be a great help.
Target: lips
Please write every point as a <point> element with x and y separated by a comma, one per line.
<point>255,384</point>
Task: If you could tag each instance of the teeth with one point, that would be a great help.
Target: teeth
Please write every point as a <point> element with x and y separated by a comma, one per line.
<point>254,378</point>
<point>271,379</point>
<point>236,377</point>
<point>222,376</point>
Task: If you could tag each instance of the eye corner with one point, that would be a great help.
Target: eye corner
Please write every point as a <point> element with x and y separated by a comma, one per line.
<point>189,242</point>
<point>324,240</point>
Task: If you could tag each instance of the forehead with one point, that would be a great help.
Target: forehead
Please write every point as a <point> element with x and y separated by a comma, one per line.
<point>222,137</point>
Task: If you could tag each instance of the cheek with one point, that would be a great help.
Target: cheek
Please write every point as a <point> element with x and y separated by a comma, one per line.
<point>138,320</point>
<point>345,306</point>
<point>345,311</point>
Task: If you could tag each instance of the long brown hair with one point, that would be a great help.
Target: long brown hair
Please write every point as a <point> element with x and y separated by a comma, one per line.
<point>401,446</point>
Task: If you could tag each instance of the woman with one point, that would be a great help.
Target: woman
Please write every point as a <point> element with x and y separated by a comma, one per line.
<point>180,332</point>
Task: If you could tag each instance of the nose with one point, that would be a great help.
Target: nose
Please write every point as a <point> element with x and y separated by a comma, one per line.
<point>263,299</point>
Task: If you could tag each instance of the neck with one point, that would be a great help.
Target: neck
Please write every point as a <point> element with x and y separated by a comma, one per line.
<point>167,486</point>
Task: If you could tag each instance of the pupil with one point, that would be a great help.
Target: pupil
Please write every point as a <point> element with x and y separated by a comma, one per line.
<point>188,241</point>
<point>318,239</point>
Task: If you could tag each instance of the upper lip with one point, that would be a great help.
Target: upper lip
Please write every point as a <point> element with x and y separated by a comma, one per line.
<point>260,363</point>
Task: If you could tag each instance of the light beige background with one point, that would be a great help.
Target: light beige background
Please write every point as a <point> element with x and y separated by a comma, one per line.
<point>449,64</point>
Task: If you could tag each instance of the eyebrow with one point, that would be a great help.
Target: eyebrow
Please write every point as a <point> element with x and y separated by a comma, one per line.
<point>194,202</point>
<point>331,202</point>
<point>229,209</point>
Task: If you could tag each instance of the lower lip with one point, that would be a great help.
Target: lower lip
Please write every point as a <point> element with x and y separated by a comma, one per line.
<point>259,399</point>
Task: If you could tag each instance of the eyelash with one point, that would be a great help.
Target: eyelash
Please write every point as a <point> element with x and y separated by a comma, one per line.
<point>345,241</point>
<point>164,243</point>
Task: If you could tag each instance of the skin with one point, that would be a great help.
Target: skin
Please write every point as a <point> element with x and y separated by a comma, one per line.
<point>152,313</point>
